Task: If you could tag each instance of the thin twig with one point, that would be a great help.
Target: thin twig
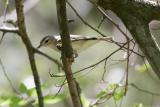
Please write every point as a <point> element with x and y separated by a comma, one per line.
<point>102,59</point>
<point>142,90</point>
<point>47,56</point>
<point>5,10</point>
<point>107,17</point>
<point>53,75</point>
<point>7,77</point>
<point>102,20</point>
<point>105,70</point>
<point>147,69</point>
<point>2,37</point>
<point>129,50</point>
<point>127,68</point>
<point>104,98</point>
<point>96,30</point>
<point>95,64</point>
<point>86,23</point>
<point>63,83</point>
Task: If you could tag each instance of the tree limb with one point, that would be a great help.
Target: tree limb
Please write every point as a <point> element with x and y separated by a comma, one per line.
<point>136,17</point>
<point>23,34</point>
<point>67,52</point>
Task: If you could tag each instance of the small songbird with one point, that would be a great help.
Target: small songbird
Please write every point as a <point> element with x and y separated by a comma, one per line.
<point>79,43</point>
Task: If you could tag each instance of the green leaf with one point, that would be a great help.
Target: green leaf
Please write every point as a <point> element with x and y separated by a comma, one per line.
<point>118,95</point>
<point>144,68</point>
<point>100,94</point>
<point>112,86</point>
<point>22,103</point>
<point>5,102</point>
<point>31,92</point>
<point>51,99</point>
<point>85,100</point>
<point>12,101</point>
<point>22,88</point>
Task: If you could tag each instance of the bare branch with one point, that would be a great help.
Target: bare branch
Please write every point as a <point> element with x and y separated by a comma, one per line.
<point>127,68</point>
<point>67,52</point>
<point>102,20</point>
<point>79,16</point>
<point>24,36</point>
<point>63,83</point>
<point>96,30</point>
<point>142,90</point>
<point>5,10</point>
<point>47,56</point>
<point>102,59</point>
<point>2,37</point>
<point>107,17</point>
<point>137,23</point>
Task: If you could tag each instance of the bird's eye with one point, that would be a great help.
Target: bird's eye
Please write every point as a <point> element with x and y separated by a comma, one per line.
<point>46,41</point>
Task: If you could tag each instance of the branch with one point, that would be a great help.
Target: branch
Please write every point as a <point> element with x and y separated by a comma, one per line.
<point>96,30</point>
<point>67,52</point>
<point>136,17</point>
<point>102,59</point>
<point>142,90</point>
<point>83,20</point>
<point>23,34</point>
<point>8,29</point>
<point>50,58</point>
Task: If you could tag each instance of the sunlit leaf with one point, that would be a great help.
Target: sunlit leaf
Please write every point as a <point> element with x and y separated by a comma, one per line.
<point>22,88</point>
<point>85,101</point>
<point>22,103</point>
<point>4,97</point>
<point>31,92</point>
<point>51,99</point>
<point>138,105</point>
<point>100,94</point>
<point>112,86</point>
<point>118,95</point>
<point>5,102</point>
<point>12,101</point>
<point>144,67</point>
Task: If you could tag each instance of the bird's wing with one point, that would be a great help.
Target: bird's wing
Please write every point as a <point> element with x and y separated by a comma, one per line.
<point>79,42</point>
<point>76,37</point>
<point>57,37</point>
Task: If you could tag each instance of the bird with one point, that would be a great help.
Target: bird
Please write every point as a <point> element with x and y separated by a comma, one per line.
<point>79,42</point>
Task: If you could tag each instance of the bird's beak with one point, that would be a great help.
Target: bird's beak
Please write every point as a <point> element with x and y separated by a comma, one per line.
<point>39,46</point>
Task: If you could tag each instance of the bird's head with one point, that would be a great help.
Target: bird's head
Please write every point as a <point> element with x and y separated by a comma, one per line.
<point>47,41</point>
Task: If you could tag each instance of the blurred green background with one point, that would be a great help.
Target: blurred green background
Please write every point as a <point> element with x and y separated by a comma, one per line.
<point>41,20</point>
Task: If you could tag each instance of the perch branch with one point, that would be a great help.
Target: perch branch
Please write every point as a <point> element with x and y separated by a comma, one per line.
<point>24,36</point>
<point>67,52</point>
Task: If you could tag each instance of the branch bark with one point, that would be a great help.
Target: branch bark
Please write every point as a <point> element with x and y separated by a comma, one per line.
<point>67,52</point>
<point>136,17</point>
<point>23,34</point>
